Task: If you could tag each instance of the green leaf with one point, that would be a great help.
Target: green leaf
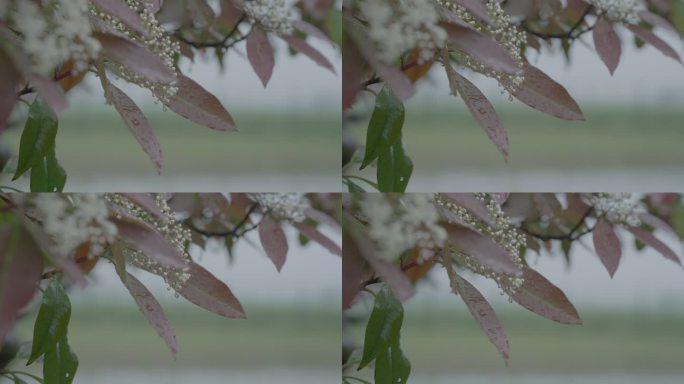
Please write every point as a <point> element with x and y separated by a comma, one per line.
<point>678,218</point>
<point>383,326</point>
<point>384,128</point>
<point>48,175</point>
<point>38,137</point>
<point>333,25</point>
<point>52,321</point>
<point>18,380</point>
<point>60,363</point>
<point>394,169</point>
<point>392,366</point>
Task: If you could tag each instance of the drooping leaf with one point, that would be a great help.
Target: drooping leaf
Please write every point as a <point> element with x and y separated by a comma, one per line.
<point>273,240</point>
<point>472,204</point>
<point>38,137</point>
<point>137,124</point>
<point>658,21</point>
<point>311,30</point>
<point>210,293</point>
<point>352,269</point>
<point>394,169</point>
<point>52,321</point>
<point>384,326</point>
<point>196,104</point>
<point>384,128</point>
<point>658,223</point>
<point>653,242</point>
<point>260,54</point>
<point>322,218</point>
<point>146,202</point>
<point>303,47</point>
<point>50,92</point>
<point>124,13</point>
<point>135,57</point>
<point>21,265</point>
<point>9,80</point>
<point>482,47</point>
<point>480,309</point>
<point>315,235</point>
<point>141,236</point>
<point>354,71</point>
<point>658,43</point>
<point>153,311</point>
<point>607,246</point>
<point>540,296</point>
<point>481,248</point>
<point>541,92</point>
<point>481,109</point>
<point>61,363</point>
<point>607,43</point>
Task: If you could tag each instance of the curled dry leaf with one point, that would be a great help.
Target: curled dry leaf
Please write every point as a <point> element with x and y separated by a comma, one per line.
<point>273,240</point>
<point>607,246</point>
<point>210,293</point>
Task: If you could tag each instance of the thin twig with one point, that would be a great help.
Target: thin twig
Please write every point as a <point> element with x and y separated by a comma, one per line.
<point>216,44</point>
<point>572,235</point>
<point>237,231</point>
<point>570,34</point>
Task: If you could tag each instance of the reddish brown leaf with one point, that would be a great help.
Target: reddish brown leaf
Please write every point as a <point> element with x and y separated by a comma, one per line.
<point>607,43</point>
<point>353,73</point>
<point>545,299</point>
<point>658,223</point>
<point>124,13</point>
<point>21,265</point>
<point>607,246</point>
<point>51,92</point>
<point>146,202</point>
<point>481,109</point>
<point>658,21</point>
<point>9,80</point>
<point>660,44</point>
<point>210,293</point>
<point>139,235</point>
<point>482,47</point>
<point>313,234</point>
<point>196,104</point>
<point>653,242</point>
<point>482,248</point>
<point>311,30</point>
<point>482,311</point>
<point>477,7</point>
<point>260,54</point>
<point>153,311</point>
<point>352,270</point>
<point>303,47</point>
<point>273,240</point>
<point>322,218</point>
<point>542,93</point>
<point>135,57</point>
<point>137,124</point>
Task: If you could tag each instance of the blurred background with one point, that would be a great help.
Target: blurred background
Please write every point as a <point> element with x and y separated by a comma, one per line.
<point>291,334</point>
<point>631,139</point>
<point>288,140</point>
<point>633,329</point>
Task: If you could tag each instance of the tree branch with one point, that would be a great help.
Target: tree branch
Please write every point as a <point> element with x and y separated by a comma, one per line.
<point>223,43</point>
<point>570,34</point>
<point>572,235</point>
<point>238,231</point>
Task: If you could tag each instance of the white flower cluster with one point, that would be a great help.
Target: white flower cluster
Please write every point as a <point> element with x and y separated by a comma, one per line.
<point>621,11</point>
<point>501,230</point>
<point>72,220</point>
<point>288,206</point>
<point>395,27</point>
<point>272,15</point>
<point>617,208</point>
<point>168,226</point>
<point>157,41</point>
<point>504,31</point>
<point>54,31</point>
<point>397,224</point>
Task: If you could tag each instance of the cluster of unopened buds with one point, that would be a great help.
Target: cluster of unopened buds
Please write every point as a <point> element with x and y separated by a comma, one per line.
<point>504,31</point>
<point>397,224</point>
<point>168,226</point>
<point>285,206</point>
<point>395,27</point>
<point>272,15</point>
<point>620,11</point>
<point>617,208</point>
<point>156,40</point>
<point>500,229</point>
